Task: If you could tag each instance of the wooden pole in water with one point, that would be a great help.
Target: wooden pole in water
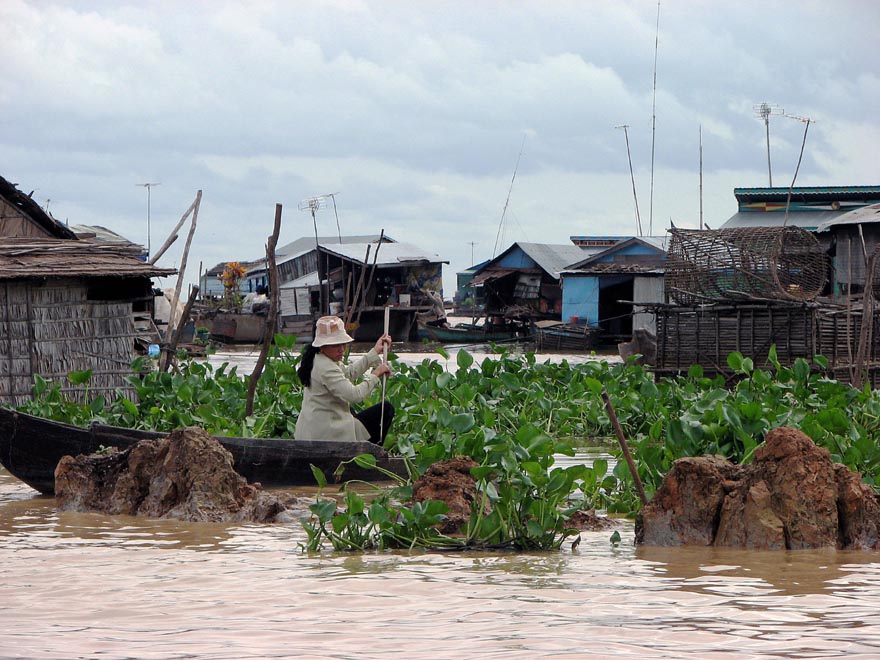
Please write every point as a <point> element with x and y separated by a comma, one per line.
<point>357,290</point>
<point>369,280</point>
<point>384,378</point>
<point>624,447</point>
<point>271,324</point>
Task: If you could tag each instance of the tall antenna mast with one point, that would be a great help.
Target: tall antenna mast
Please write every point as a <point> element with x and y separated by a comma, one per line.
<point>701,176</point>
<point>332,196</point>
<point>312,205</point>
<point>507,201</point>
<point>807,121</point>
<point>763,111</point>
<point>632,177</point>
<point>148,186</point>
<point>654,122</point>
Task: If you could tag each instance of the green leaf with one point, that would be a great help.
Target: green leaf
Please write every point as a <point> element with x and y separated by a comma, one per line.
<point>735,360</point>
<point>80,377</point>
<point>595,386</point>
<point>319,476</point>
<point>464,359</point>
<point>324,509</point>
<point>130,408</point>
<point>463,422</point>
<point>367,461</point>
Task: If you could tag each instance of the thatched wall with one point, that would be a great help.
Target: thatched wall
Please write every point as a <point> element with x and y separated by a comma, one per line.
<point>688,335</point>
<point>52,328</point>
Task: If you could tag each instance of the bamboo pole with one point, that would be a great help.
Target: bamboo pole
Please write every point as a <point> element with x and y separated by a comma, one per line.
<point>168,354</point>
<point>625,448</point>
<point>182,269</point>
<point>357,290</point>
<point>268,329</point>
<point>173,235</point>
<point>384,378</point>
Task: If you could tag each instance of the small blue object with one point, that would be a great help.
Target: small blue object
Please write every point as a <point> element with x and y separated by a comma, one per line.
<point>153,350</point>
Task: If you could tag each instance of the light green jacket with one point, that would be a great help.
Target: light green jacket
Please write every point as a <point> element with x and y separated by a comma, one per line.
<point>326,412</point>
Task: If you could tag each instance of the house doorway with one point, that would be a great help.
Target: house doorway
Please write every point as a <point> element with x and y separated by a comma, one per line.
<point>615,309</point>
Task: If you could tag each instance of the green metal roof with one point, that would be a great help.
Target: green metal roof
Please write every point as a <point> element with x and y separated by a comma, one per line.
<point>819,193</point>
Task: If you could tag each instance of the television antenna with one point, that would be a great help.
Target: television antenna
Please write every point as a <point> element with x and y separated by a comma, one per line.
<point>148,186</point>
<point>318,202</point>
<point>632,176</point>
<point>763,111</point>
<point>313,205</point>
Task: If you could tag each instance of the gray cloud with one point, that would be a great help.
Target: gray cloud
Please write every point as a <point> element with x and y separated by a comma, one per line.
<point>415,113</point>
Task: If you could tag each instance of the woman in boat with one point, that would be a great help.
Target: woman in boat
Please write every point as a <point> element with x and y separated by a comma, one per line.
<point>331,388</point>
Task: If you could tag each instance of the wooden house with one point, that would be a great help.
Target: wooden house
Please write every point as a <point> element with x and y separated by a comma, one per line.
<point>604,290</point>
<point>523,284</point>
<point>66,304</point>
<point>355,277</point>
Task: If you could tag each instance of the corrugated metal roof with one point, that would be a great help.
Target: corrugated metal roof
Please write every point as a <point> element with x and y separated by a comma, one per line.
<point>307,243</point>
<point>28,258</point>
<point>615,268</point>
<point>99,234</point>
<point>491,274</point>
<point>659,243</point>
<point>306,280</point>
<point>831,193</point>
<point>804,219</point>
<point>552,258</point>
<point>390,254</point>
<point>864,215</point>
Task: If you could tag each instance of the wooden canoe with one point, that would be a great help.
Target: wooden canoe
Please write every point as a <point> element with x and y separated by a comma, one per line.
<point>464,334</point>
<point>30,448</point>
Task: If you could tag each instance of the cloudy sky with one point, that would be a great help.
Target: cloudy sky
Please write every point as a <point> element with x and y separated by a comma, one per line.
<point>416,113</point>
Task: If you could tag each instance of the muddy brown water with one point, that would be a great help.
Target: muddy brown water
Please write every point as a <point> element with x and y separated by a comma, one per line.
<point>76,585</point>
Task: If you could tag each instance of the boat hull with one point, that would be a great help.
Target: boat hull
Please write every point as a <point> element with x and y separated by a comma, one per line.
<point>463,335</point>
<point>30,448</point>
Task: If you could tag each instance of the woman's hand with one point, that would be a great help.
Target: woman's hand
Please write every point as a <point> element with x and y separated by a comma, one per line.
<point>382,342</point>
<point>382,371</point>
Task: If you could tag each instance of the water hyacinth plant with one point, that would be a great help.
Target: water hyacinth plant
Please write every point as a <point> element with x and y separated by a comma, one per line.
<point>513,415</point>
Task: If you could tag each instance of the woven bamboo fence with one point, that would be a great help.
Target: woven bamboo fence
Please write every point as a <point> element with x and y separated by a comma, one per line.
<point>706,335</point>
<point>53,329</point>
<point>777,263</point>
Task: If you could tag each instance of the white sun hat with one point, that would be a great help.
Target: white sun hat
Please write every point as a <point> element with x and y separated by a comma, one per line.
<point>330,330</point>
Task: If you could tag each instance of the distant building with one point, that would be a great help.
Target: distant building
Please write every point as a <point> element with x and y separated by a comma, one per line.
<point>822,210</point>
<point>601,290</point>
<point>523,283</point>
<point>356,273</point>
<point>809,206</point>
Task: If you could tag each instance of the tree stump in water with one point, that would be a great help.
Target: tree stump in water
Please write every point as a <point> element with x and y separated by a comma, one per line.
<point>187,476</point>
<point>792,496</point>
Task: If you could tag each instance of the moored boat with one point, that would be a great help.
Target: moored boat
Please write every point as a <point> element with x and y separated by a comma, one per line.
<point>464,333</point>
<point>30,448</point>
<point>558,336</point>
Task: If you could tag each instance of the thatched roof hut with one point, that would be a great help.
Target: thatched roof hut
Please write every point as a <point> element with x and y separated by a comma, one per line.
<point>65,304</point>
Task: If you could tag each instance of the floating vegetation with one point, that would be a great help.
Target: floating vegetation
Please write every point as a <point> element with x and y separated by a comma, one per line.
<point>511,414</point>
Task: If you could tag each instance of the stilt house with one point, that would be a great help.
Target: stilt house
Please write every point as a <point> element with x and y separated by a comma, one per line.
<point>66,304</point>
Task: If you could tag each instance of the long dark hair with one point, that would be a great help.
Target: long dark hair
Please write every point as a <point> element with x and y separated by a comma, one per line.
<point>304,370</point>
